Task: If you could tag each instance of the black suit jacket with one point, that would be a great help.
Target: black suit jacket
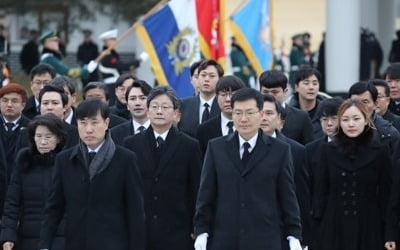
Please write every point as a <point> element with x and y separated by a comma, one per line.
<point>393,119</point>
<point>297,125</point>
<point>30,109</point>
<point>103,213</point>
<point>122,131</point>
<point>301,179</point>
<point>209,130</point>
<point>170,188</point>
<point>190,109</point>
<point>249,209</point>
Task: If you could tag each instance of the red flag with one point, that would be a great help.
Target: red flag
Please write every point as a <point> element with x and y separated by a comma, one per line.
<point>210,14</point>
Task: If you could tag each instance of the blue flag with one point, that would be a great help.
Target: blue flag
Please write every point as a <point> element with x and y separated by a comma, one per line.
<point>251,28</point>
<point>170,37</point>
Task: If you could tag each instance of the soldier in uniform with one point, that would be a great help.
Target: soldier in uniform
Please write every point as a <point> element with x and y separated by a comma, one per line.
<point>111,66</point>
<point>51,55</point>
<point>296,56</point>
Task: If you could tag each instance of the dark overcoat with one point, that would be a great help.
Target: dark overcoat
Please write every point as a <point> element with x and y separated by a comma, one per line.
<point>249,209</point>
<point>170,188</point>
<point>106,212</point>
<point>350,196</point>
<point>27,194</point>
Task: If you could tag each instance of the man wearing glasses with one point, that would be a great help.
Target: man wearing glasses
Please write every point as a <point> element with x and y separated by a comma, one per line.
<point>40,75</point>
<point>222,124</point>
<point>170,163</point>
<point>383,101</point>
<point>247,194</point>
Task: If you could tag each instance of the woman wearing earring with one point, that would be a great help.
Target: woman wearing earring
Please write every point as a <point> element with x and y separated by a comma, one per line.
<point>29,186</point>
<point>352,184</point>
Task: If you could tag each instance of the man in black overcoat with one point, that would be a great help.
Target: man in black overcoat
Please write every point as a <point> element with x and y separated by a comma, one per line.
<point>247,197</point>
<point>170,163</point>
<point>97,186</point>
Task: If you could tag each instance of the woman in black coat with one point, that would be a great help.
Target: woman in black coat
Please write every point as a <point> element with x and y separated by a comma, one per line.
<point>352,184</point>
<point>30,184</point>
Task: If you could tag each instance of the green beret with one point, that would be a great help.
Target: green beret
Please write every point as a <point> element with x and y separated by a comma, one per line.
<point>48,35</point>
<point>297,36</point>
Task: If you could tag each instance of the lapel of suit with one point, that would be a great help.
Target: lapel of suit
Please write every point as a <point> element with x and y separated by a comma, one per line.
<point>259,151</point>
<point>215,108</point>
<point>149,145</point>
<point>196,109</point>
<point>232,150</point>
<point>218,126</point>
<point>171,145</point>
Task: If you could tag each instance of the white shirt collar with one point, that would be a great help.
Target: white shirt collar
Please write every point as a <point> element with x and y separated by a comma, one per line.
<point>224,127</point>
<point>273,134</point>
<point>15,121</point>
<point>96,150</point>
<point>36,102</point>
<point>163,135</point>
<point>136,125</point>
<point>69,117</point>
<point>252,142</point>
<point>210,102</point>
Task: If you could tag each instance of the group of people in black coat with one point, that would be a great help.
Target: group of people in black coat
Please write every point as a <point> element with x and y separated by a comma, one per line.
<point>230,168</point>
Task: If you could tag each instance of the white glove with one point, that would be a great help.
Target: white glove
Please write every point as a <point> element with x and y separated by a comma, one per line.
<point>294,243</point>
<point>201,242</point>
<point>92,66</point>
<point>143,56</point>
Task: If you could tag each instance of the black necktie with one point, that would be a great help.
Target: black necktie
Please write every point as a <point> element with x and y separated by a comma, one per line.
<point>230,126</point>
<point>141,129</point>
<point>160,142</point>
<point>246,154</point>
<point>206,113</point>
<point>91,156</point>
<point>9,126</point>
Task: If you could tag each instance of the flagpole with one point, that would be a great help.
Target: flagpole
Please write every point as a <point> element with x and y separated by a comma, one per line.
<point>239,7</point>
<point>130,30</point>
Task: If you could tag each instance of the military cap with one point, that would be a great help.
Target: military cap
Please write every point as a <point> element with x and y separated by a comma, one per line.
<point>48,35</point>
<point>297,36</point>
<point>110,34</point>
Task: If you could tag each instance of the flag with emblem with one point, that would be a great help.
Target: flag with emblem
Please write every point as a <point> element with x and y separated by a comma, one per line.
<point>170,37</point>
<point>210,16</point>
<point>255,41</point>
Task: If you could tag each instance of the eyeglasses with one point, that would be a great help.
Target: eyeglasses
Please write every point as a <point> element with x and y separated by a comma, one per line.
<point>163,107</point>
<point>13,100</point>
<point>38,82</point>
<point>381,96</point>
<point>248,113</point>
<point>225,94</point>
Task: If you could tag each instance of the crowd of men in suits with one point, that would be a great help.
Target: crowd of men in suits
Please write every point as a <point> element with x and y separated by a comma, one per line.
<point>229,168</point>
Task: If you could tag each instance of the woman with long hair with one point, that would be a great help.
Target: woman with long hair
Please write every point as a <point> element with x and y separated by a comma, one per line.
<point>352,184</point>
<point>30,184</point>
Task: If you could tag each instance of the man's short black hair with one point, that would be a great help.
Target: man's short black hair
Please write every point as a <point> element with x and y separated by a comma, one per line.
<point>122,78</point>
<point>278,107</point>
<point>90,108</point>
<point>229,83</point>
<point>359,88</point>
<point>210,62</point>
<point>95,85</point>
<point>273,79</point>
<point>381,83</point>
<point>194,66</point>
<point>393,71</point>
<point>41,69</point>
<point>329,107</point>
<point>246,94</point>
<point>52,88</point>
<point>142,85</point>
<point>62,81</point>
<point>305,72</point>
<point>164,90</point>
